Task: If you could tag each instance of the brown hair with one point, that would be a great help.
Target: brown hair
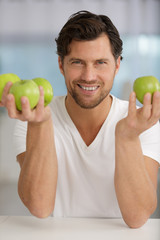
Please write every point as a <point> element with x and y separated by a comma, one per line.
<point>85,25</point>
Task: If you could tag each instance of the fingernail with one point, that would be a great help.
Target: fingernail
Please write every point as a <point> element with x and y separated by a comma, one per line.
<point>41,88</point>
<point>148,96</point>
<point>9,83</point>
<point>23,100</point>
<point>133,95</point>
<point>9,97</point>
<point>157,94</point>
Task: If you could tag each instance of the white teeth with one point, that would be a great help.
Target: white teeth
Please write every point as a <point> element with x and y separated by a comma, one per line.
<point>88,88</point>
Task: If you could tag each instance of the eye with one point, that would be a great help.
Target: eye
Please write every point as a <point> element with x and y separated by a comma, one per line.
<point>76,62</point>
<point>101,62</point>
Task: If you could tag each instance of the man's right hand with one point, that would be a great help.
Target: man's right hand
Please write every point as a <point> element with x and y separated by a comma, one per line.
<point>38,114</point>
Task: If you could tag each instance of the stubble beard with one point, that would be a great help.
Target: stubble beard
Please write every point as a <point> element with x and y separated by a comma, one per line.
<point>88,104</point>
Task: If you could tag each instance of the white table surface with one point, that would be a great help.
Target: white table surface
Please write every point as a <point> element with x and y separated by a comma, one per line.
<point>29,228</point>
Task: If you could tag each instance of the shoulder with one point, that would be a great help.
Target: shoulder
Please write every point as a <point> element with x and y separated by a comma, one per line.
<point>119,107</point>
<point>57,102</point>
<point>57,106</point>
<point>59,112</point>
<point>119,102</point>
<point>150,142</point>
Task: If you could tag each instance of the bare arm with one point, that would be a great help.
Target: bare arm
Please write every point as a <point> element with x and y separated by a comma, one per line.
<point>135,174</point>
<point>38,176</point>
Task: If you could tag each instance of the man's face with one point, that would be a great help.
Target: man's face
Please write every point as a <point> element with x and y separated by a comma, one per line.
<point>89,70</point>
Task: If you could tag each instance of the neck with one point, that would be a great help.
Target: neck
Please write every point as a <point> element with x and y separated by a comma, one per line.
<point>88,121</point>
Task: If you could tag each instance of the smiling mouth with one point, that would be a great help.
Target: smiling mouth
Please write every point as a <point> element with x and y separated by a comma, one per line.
<point>88,88</point>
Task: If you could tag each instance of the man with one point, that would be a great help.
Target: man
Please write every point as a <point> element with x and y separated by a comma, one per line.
<point>89,154</point>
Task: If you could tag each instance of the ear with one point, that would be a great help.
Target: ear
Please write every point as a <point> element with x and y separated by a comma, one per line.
<point>118,61</point>
<point>60,65</point>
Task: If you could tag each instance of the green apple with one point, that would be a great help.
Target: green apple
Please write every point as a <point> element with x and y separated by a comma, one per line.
<point>7,77</point>
<point>26,88</point>
<point>47,88</point>
<point>145,84</point>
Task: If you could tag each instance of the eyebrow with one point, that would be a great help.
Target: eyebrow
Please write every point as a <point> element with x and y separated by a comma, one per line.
<point>73,59</point>
<point>79,59</point>
<point>103,59</point>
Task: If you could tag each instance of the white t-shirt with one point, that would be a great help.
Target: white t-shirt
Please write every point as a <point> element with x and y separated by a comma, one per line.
<point>86,174</point>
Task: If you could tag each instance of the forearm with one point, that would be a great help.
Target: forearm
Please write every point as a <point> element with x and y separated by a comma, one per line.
<point>38,177</point>
<point>135,191</point>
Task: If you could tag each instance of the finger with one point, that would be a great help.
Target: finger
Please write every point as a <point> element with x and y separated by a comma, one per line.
<point>41,99</point>
<point>40,105</point>
<point>156,106</point>
<point>147,106</point>
<point>26,110</point>
<point>11,106</point>
<point>5,92</point>
<point>132,105</point>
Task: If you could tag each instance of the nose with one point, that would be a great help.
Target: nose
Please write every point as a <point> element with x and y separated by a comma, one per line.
<point>89,73</point>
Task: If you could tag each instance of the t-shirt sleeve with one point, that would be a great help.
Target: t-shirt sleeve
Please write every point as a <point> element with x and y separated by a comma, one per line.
<point>150,142</point>
<point>19,137</point>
